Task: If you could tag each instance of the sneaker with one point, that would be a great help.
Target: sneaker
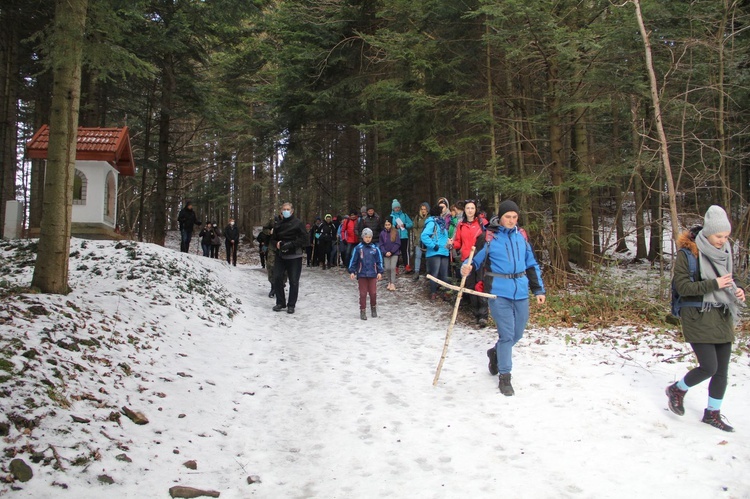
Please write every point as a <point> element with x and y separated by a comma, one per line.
<point>676,396</point>
<point>715,419</point>
<point>362,315</point>
<point>278,308</point>
<point>290,309</point>
<point>504,384</point>
<point>433,296</point>
<point>492,366</point>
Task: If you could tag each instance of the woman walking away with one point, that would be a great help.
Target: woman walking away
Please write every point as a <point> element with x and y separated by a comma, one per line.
<point>367,267</point>
<point>435,239</point>
<point>470,232</point>
<point>390,247</point>
<point>510,270</point>
<point>709,311</point>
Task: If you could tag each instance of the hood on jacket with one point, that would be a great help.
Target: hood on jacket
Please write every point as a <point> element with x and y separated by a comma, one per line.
<point>687,240</point>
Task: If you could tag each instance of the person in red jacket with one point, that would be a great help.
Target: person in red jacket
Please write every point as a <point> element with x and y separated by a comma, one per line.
<point>470,232</point>
<point>349,235</point>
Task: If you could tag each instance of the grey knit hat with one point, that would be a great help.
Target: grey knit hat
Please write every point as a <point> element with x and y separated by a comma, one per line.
<point>715,220</point>
<point>367,232</point>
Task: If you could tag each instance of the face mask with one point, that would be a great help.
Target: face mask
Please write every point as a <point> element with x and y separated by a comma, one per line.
<point>286,213</point>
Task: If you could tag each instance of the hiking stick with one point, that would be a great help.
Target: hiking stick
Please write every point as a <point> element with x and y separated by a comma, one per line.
<point>457,288</point>
<point>453,321</point>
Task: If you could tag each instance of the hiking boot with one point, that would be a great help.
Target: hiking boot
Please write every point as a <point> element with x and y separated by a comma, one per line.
<point>272,293</point>
<point>482,322</point>
<point>278,308</point>
<point>715,419</point>
<point>492,366</point>
<point>416,278</point>
<point>504,384</point>
<point>373,312</point>
<point>290,309</point>
<point>363,315</point>
<point>676,397</point>
<point>433,296</point>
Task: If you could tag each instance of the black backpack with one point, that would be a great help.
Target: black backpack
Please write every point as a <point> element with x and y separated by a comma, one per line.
<point>677,302</point>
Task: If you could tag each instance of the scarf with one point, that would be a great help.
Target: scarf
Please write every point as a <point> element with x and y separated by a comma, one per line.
<point>714,263</point>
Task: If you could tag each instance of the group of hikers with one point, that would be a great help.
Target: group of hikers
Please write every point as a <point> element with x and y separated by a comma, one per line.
<point>503,265</point>
<point>211,236</point>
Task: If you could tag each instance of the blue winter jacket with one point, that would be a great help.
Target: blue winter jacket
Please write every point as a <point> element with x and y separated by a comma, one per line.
<point>435,237</point>
<point>408,224</point>
<point>367,261</point>
<point>510,256</point>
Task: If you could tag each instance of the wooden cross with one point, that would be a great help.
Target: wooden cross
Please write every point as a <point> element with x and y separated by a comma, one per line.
<point>461,290</point>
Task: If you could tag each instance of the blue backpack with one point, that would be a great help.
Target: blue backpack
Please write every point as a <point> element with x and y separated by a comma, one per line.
<point>677,302</point>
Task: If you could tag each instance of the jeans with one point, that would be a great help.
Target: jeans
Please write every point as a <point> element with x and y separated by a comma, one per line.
<point>206,249</point>
<point>185,237</point>
<point>293,269</point>
<point>511,317</point>
<point>417,257</point>
<point>231,248</point>
<point>437,266</point>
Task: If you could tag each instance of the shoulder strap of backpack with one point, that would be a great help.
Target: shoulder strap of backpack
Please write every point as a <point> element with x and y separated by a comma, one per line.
<point>692,263</point>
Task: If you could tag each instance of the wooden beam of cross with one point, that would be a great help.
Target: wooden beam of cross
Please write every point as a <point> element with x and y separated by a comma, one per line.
<point>461,290</point>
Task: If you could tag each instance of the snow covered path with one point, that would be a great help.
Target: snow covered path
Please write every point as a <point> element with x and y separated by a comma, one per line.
<point>321,404</point>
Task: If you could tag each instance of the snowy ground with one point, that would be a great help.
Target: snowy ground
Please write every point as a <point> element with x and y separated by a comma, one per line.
<point>321,404</point>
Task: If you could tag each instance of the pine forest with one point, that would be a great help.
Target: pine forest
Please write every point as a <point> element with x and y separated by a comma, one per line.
<point>593,115</point>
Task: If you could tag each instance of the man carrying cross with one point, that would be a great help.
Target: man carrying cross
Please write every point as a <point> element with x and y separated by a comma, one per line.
<point>510,270</point>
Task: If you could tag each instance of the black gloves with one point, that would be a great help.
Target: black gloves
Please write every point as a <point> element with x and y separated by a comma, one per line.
<point>287,246</point>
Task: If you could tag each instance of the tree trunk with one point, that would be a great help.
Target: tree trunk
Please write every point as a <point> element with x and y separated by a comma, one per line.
<point>159,203</point>
<point>51,268</point>
<point>583,193</point>
<point>663,149</point>
<point>558,247</point>
<point>9,77</point>
<point>639,197</point>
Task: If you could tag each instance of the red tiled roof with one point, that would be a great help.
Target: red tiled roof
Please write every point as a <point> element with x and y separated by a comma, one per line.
<point>94,144</point>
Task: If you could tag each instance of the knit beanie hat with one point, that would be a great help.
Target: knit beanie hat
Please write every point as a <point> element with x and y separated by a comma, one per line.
<point>715,220</point>
<point>367,232</point>
<point>328,215</point>
<point>395,204</point>
<point>507,206</point>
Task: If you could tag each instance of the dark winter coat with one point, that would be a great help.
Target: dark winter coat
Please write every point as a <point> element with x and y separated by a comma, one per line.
<point>510,255</point>
<point>232,233</point>
<point>187,219</point>
<point>715,325</point>
<point>367,261</point>
<point>388,246</point>
<point>291,233</point>
<point>327,231</point>
<point>370,222</point>
<point>207,236</point>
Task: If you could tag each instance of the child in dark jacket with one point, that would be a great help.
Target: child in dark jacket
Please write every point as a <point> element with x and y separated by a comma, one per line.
<point>390,248</point>
<point>367,267</point>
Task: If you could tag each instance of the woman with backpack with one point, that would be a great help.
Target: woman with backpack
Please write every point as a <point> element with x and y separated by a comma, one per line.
<point>709,310</point>
<point>470,232</point>
<point>435,239</point>
<point>510,271</point>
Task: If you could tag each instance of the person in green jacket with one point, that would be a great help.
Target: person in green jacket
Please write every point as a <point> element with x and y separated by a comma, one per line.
<point>708,324</point>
